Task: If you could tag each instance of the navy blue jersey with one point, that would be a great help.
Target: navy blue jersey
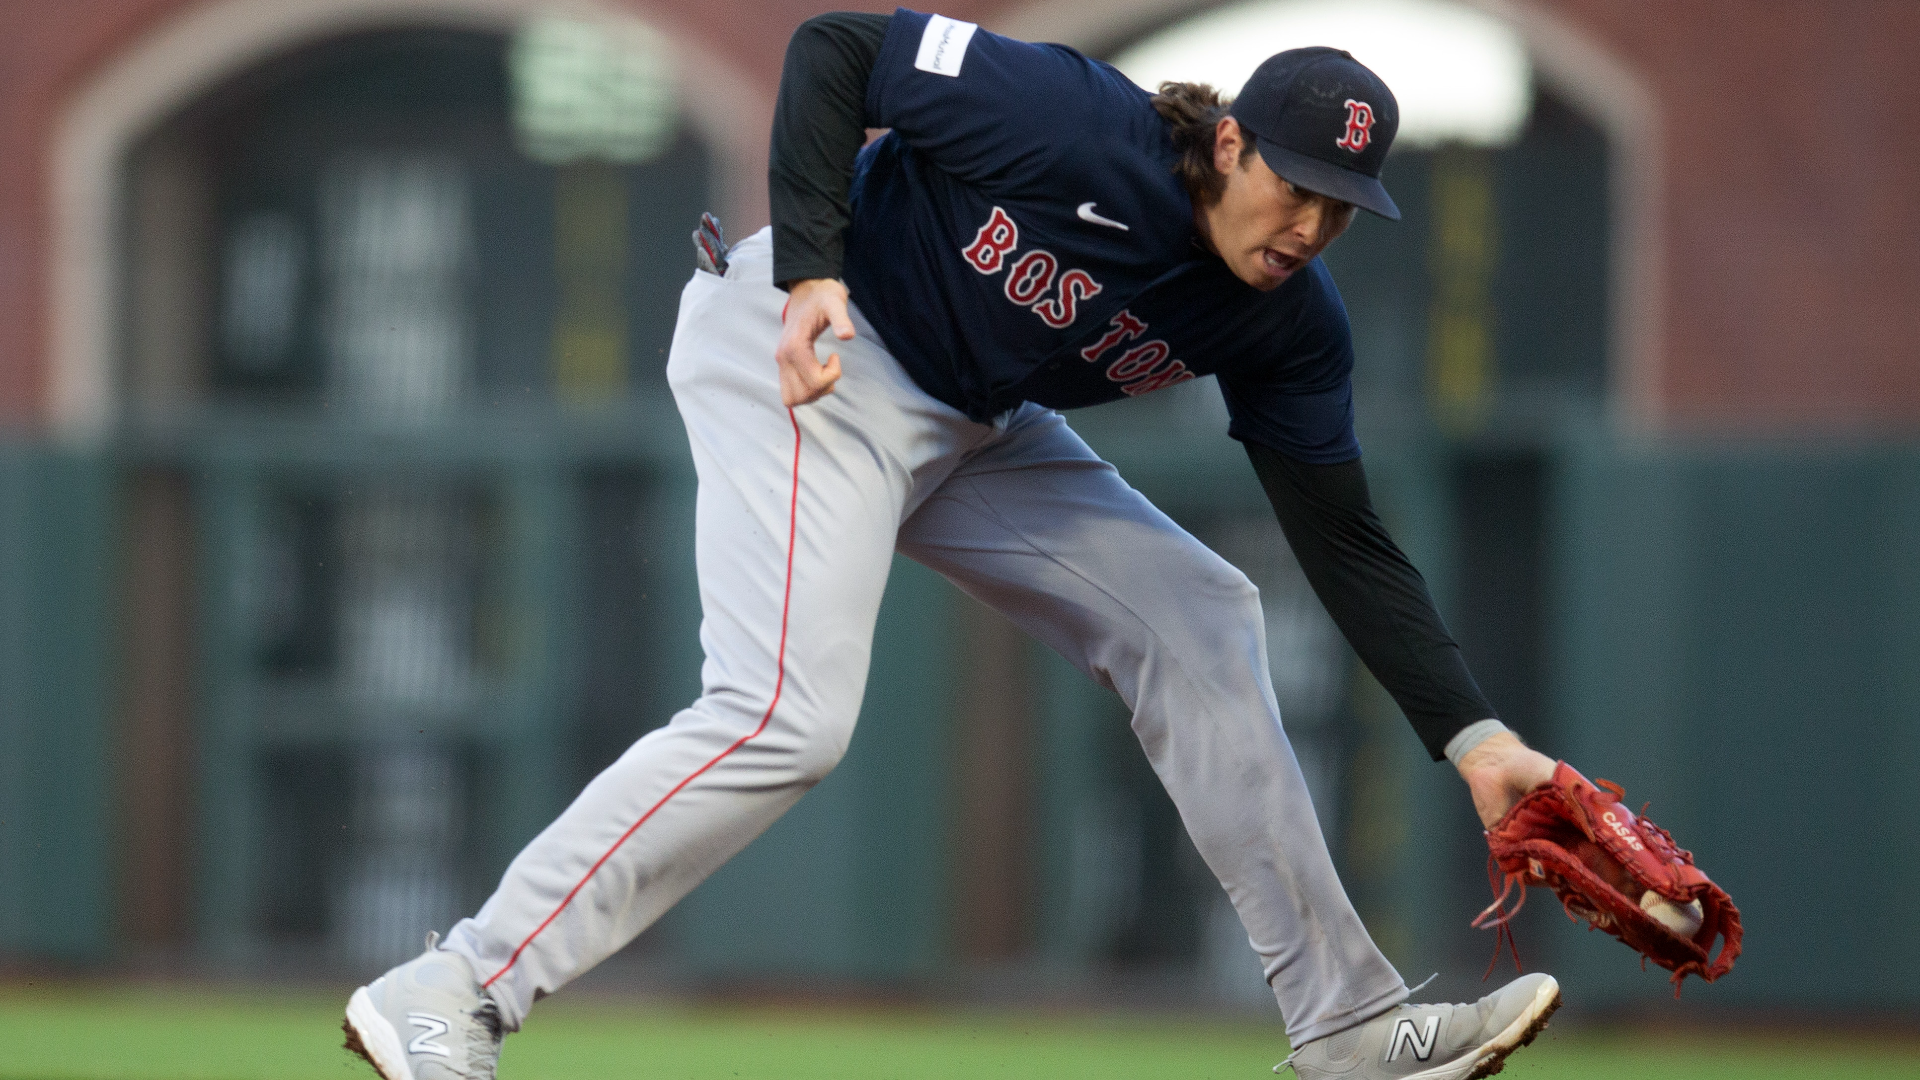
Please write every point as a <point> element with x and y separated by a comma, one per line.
<point>1019,235</point>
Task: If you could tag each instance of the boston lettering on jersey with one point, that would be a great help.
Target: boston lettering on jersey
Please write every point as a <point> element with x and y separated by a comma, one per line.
<point>1141,368</point>
<point>1138,369</point>
<point>1031,276</point>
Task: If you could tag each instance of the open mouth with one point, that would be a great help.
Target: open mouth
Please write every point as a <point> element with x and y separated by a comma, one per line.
<point>1279,264</point>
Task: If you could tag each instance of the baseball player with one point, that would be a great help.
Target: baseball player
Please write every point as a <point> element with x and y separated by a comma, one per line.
<point>1034,234</point>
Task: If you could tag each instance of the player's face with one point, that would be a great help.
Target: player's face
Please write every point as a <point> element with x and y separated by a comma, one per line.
<point>1263,227</point>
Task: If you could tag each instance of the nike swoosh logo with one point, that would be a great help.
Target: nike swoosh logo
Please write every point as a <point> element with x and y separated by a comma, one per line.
<point>1086,214</point>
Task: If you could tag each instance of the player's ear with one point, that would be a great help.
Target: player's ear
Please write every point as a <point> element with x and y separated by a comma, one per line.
<point>1228,141</point>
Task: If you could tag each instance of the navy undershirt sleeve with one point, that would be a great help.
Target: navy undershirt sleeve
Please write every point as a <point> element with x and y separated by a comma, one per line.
<point>819,122</point>
<point>1373,592</point>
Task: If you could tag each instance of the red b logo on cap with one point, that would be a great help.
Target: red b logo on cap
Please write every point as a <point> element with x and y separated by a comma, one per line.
<point>1359,126</point>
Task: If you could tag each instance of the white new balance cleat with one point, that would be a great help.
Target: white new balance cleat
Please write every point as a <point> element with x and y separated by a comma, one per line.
<point>427,1019</point>
<point>1434,1042</point>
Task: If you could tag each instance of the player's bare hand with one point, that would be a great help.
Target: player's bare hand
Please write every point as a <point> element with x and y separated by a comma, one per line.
<point>1499,771</point>
<point>812,306</point>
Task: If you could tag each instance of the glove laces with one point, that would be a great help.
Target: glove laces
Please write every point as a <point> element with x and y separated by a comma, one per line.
<point>1498,917</point>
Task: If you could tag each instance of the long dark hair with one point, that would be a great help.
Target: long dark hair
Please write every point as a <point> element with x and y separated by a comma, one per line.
<point>1192,112</point>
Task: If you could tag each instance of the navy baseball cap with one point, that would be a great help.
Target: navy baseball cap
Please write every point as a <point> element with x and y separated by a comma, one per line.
<point>1323,121</point>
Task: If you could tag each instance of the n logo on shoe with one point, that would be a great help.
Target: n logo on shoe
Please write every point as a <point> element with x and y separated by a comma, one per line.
<point>1421,1043</point>
<point>432,1028</point>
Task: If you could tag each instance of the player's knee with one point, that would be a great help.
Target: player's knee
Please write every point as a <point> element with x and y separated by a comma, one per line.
<point>812,739</point>
<point>796,743</point>
<point>1234,587</point>
<point>1243,601</point>
<point>816,754</point>
<point>1218,617</point>
<point>1225,602</point>
<point>1218,631</point>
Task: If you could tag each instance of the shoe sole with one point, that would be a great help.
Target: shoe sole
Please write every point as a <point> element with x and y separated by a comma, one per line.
<point>373,1038</point>
<point>1492,1057</point>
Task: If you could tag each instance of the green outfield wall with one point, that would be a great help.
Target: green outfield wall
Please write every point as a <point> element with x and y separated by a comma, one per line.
<point>1731,631</point>
<point>58,573</point>
<point>1738,634</point>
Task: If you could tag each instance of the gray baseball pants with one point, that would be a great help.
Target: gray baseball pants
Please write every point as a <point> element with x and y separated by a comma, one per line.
<point>799,514</point>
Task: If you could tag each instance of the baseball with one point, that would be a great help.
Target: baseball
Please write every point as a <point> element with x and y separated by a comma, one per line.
<point>1682,919</point>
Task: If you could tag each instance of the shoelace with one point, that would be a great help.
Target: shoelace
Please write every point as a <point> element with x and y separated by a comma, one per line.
<point>1288,1064</point>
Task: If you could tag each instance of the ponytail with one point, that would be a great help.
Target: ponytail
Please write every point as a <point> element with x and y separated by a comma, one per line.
<point>1192,112</point>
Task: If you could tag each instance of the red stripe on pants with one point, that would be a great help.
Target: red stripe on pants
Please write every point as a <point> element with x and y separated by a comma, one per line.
<point>780,678</point>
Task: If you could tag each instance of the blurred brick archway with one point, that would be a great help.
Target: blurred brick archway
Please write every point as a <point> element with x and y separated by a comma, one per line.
<point>195,50</point>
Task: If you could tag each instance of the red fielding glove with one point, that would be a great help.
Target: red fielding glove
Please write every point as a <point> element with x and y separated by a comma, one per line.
<point>1609,866</point>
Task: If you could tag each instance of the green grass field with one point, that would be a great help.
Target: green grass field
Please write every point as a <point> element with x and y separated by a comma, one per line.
<point>71,1034</point>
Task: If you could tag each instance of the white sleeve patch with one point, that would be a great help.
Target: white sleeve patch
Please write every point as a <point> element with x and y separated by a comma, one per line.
<point>944,45</point>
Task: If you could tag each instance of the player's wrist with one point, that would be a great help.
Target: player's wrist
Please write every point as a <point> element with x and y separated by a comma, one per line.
<point>805,287</point>
<point>1504,753</point>
<point>1471,737</point>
